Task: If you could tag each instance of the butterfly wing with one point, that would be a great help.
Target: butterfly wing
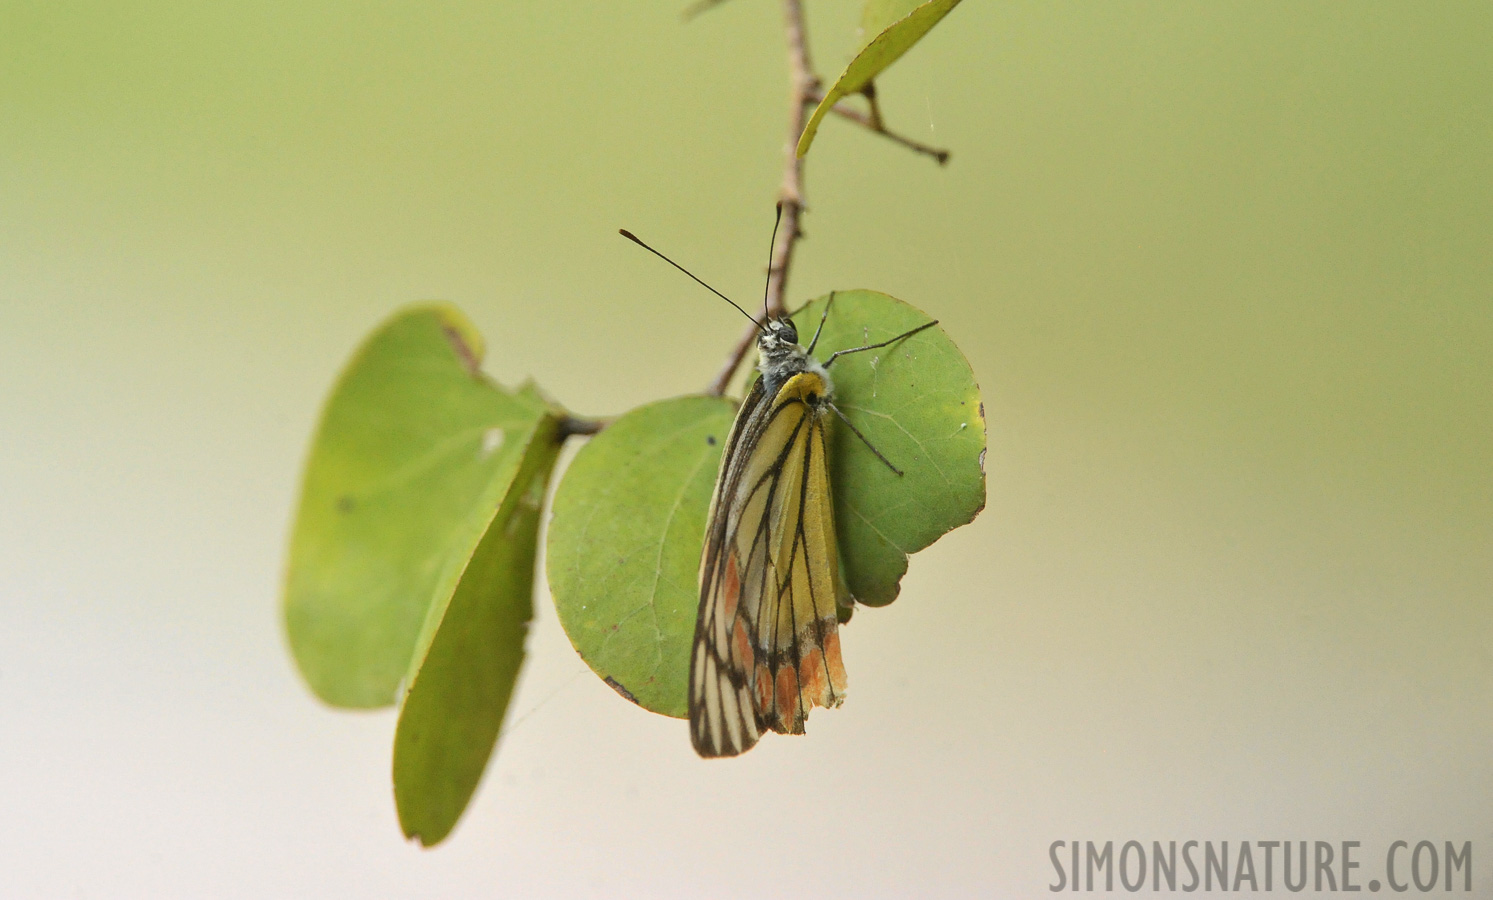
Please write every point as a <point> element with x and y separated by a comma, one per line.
<point>767,646</point>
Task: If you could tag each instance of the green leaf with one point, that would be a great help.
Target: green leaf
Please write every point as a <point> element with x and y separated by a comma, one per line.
<point>888,46</point>
<point>414,452</point>
<point>461,684</point>
<point>624,545</point>
<point>917,402</point>
<point>879,15</point>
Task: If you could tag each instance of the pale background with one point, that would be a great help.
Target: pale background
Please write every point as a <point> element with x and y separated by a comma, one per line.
<point>1224,272</point>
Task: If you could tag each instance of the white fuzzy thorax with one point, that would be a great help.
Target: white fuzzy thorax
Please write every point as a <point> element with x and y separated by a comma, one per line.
<point>781,357</point>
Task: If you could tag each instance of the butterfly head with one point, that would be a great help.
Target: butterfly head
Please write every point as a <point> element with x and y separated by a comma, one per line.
<point>778,339</point>
<point>782,356</point>
<point>778,347</point>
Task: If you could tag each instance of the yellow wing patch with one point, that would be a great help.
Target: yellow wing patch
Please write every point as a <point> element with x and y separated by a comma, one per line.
<point>767,648</point>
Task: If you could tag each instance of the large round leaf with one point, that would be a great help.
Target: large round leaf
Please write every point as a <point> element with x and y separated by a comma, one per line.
<point>917,402</point>
<point>624,545</point>
<point>414,452</point>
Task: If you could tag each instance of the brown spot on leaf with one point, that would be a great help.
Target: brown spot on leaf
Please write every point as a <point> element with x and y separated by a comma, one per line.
<point>616,685</point>
<point>984,430</point>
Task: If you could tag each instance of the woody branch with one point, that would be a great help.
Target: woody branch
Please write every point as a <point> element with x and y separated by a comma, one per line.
<point>804,87</point>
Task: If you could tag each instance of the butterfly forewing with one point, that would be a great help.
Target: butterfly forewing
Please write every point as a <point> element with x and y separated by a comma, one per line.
<point>766,648</point>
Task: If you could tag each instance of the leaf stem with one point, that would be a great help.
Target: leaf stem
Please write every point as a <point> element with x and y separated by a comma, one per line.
<point>874,124</point>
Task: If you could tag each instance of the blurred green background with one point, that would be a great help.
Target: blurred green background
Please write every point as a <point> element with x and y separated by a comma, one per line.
<point>1225,272</point>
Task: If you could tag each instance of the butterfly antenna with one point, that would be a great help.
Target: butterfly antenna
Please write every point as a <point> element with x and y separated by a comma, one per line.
<point>636,240</point>
<point>771,245</point>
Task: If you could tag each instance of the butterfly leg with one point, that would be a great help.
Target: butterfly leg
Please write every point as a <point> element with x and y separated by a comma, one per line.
<point>906,334</point>
<point>827,304</point>
<point>864,439</point>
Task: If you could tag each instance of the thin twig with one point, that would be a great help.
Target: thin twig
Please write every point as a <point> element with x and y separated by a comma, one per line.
<point>694,9</point>
<point>573,425</point>
<point>722,378</point>
<point>869,92</point>
<point>804,86</point>
<point>874,124</point>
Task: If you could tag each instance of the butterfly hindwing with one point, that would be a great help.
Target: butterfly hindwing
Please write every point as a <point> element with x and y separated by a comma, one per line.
<point>766,645</point>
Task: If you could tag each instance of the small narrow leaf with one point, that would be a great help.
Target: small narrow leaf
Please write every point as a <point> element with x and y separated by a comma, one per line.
<point>881,50</point>
<point>415,450</point>
<point>462,681</point>
<point>879,15</point>
<point>624,545</point>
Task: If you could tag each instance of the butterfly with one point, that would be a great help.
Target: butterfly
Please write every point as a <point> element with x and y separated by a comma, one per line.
<point>767,646</point>
<point>767,642</point>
